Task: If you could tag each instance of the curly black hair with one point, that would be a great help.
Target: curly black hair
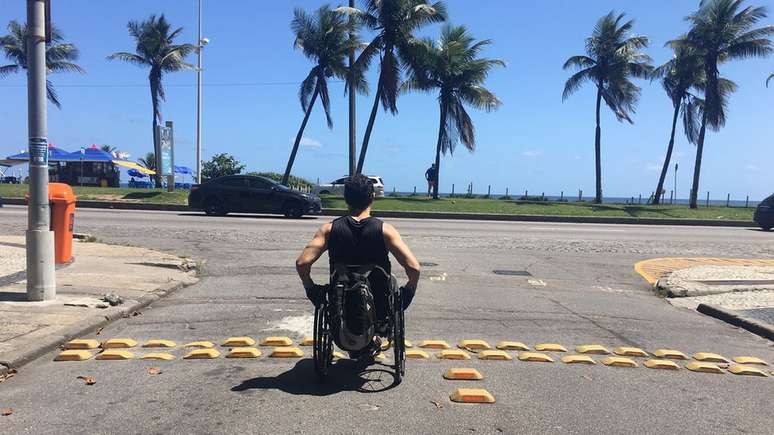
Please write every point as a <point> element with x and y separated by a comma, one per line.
<point>359,192</point>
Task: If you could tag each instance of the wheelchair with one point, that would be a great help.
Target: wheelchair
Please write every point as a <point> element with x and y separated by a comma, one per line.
<point>393,329</point>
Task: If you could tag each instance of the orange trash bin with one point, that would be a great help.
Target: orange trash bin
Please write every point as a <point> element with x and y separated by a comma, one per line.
<point>62,200</point>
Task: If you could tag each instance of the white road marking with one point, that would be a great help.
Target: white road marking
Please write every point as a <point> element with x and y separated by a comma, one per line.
<point>300,325</point>
<point>536,282</point>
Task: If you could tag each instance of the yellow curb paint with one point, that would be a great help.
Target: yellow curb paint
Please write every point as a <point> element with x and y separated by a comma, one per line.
<point>656,268</point>
<point>710,357</point>
<point>594,349</point>
<point>243,352</point>
<point>159,343</point>
<point>512,345</point>
<point>738,369</point>
<point>206,353</point>
<point>82,343</point>
<point>73,355</point>
<point>534,357</point>
<point>630,351</point>
<point>159,356</point>
<point>670,354</point>
<point>238,342</point>
<point>663,364</point>
<point>619,361</point>
<point>550,347</point>
<point>471,395</point>
<point>463,374</point>
<point>111,355</point>
<point>200,344</point>
<point>577,359</point>
<point>119,343</point>
<point>474,345</point>
<point>453,354</point>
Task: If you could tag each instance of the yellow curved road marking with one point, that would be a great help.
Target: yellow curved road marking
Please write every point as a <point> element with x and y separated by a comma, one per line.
<point>656,268</point>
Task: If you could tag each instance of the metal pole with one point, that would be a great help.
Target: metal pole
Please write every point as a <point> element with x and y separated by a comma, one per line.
<point>747,202</point>
<point>352,112</point>
<point>728,200</point>
<point>41,275</point>
<point>199,101</point>
<point>707,198</point>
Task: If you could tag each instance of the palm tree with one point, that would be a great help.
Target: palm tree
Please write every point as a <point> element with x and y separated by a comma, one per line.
<point>453,67</point>
<point>108,148</point>
<point>394,22</point>
<point>722,30</point>
<point>769,79</point>
<point>156,49</point>
<point>60,56</point>
<point>323,37</point>
<point>679,76</point>
<point>612,57</point>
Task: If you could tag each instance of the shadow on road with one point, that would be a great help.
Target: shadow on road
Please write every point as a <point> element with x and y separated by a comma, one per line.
<point>344,375</point>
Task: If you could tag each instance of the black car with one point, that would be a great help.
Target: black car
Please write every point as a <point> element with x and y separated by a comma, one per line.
<point>249,194</point>
<point>764,214</point>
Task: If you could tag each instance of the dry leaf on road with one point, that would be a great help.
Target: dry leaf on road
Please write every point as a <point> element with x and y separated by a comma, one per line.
<point>154,371</point>
<point>6,411</point>
<point>437,404</point>
<point>88,380</point>
<point>9,374</point>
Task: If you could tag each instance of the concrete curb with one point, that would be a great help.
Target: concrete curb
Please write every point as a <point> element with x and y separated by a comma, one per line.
<point>732,317</point>
<point>442,215</point>
<point>20,358</point>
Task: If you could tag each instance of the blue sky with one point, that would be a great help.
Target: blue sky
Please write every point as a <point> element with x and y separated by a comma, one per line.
<point>535,141</point>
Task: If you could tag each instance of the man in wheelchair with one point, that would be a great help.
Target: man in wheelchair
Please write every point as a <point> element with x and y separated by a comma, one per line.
<point>358,247</point>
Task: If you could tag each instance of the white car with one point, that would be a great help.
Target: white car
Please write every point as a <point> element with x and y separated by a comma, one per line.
<point>336,187</point>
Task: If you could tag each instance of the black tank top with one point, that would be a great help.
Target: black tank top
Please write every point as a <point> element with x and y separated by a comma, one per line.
<point>358,243</point>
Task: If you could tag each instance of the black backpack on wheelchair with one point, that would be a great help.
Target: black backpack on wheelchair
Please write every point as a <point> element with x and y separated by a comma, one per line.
<point>350,317</point>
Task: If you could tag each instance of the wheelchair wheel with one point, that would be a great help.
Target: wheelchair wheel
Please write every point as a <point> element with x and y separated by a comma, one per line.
<point>323,341</point>
<point>399,338</point>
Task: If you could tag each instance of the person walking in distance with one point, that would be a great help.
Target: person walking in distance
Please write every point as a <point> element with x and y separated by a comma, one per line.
<point>430,177</point>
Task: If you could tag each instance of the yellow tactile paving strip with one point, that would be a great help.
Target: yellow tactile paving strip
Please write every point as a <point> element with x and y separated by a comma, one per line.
<point>656,268</point>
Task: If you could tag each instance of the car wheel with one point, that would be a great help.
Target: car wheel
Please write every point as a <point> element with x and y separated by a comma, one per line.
<point>214,207</point>
<point>766,227</point>
<point>292,210</point>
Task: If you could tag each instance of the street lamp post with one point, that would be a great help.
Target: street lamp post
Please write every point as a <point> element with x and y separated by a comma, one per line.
<point>41,277</point>
<point>200,47</point>
<point>351,77</point>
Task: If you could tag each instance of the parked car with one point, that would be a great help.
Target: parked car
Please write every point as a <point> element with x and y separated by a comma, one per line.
<point>764,214</point>
<point>336,187</point>
<point>10,180</point>
<point>250,194</point>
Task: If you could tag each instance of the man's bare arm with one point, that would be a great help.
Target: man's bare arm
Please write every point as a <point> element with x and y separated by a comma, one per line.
<point>311,253</point>
<point>402,253</point>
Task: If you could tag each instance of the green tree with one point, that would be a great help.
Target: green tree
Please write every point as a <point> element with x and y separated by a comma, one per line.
<point>149,161</point>
<point>721,31</point>
<point>276,176</point>
<point>156,49</point>
<point>221,165</point>
<point>323,38</point>
<point>394,22</point>
<point>60,56</point>
<point>612,58</point>
<point>108,148</point>
<point>452,67</point>
<point>679,76</point>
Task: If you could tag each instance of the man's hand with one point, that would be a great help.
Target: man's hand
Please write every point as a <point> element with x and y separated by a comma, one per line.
<point>407,293</point>
<point>315,293</point>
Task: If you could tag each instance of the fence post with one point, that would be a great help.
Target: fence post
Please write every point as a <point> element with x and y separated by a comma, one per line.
<point>708,198</point>
<point>580,195</point>
<point>671,196</point>
<point>639,199</point>
<point>747,201</point>
<point>561,197</point>
<point>506,192</point>
<point>488,191</point>
<point>415,191</point>
<point>542,196</point>
<point>728,200</point>
<point>452,194</point>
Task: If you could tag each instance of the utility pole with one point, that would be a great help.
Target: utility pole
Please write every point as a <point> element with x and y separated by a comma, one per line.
<point>352,113</point>
<point>41,277</point>
<point>200,45</point>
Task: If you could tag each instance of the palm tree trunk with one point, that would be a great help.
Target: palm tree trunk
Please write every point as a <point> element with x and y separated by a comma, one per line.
<point>155,106</point>
<point>598,149</point>
<point>697,165</point>
<point>665,168</point>
<point>292,158</point>
<point>441,126</point>
<point>369,128</point>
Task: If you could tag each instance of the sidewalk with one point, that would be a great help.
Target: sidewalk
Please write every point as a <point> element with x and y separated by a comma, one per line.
<point>137,276</point>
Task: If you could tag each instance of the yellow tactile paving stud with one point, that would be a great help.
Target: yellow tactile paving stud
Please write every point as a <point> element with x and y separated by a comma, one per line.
<point>158,356</point>
<point>512,345</point>
<point>416,354</point>
<point>307,341</point>
<point>703,367</point>
<point>200,344</point>
<point>629,351</point>
<point>453,354</point>
<point>463,374</point>
<point>750,360</point>
<point>474,345</point>
<point>577,359</point>
<point>238,342</point>
<point>471,395</point>
<point>710,357</point>
<point>550,347</point>
<point>670,354</point>
<point>119,343</point>
<point>339,355</point>
<point>82,343</point>
<point>534,357</point>
<point>277,341</point>
<point>663,364</point>
<point>286,352</point>
<point>114,354</point>
<point>159,343</point>
<point>496,355</point>
<point>388,344</point>
<point>619,361</point>
<point>206,353</point>
<point>243,352</point>
<point>74,355</point>
<point>434,344</point>
<point>739,369</point>
<point>594,349</point>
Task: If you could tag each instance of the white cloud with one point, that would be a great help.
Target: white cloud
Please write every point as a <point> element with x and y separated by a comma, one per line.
<point>309,142</point>
<point>751,167</point>
<point>531,153</point>
<point>653,167</point>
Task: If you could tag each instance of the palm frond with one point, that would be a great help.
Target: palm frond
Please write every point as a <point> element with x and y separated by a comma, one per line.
<point>52,95</point>
<point>576,81</point>
<point>769,79</point>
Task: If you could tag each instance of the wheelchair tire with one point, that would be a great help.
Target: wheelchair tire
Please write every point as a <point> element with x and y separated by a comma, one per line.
<point>399,338</point>
<point>323,341</point>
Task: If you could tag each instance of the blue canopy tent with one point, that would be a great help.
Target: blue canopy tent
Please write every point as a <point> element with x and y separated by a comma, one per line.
<point>54,155</point>
<point>91,154</point>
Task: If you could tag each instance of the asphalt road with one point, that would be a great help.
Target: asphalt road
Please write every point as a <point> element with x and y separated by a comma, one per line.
<point>583,291</point>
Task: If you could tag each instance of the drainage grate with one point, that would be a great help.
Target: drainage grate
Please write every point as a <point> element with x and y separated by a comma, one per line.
<point>512,272</point>
<point>737,282</point>
<point>427,264</point>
